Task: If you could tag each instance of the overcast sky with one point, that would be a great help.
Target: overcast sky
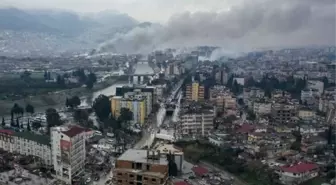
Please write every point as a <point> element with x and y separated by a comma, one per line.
<point>143,10</point>
<point>237,24</point>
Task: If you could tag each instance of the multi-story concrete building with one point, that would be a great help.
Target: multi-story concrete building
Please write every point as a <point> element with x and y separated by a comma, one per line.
<point>306,114</point>
<point>197,120</point>
<point>137,104</point>
<point>250,93</point>
<point>120,91</point>
<point>68,148</point>
<point>7,140</point>
<point>262,107</point>
<point>26,143</point>
<point>283,113</point>
<point>143,167</point>
<point>195,92</point>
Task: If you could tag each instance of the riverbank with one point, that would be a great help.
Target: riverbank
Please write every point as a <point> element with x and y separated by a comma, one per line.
<point>55,99</point>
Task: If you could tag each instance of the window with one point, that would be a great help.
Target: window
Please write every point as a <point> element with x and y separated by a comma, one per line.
<point>119,174</point>
<point>145,178</point>
<point>131,175</point>
<point>119,181</point>
<point>131,182</point>
<point>153,180</point>
<point>147,166</point>
<point>139,178</point>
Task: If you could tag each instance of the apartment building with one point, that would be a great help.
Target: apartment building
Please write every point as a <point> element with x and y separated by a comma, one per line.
<point>7,140</point>
<point>195,92</point>
<point>26,143</point>
<point>68,148</point>
<point>250,93</point>
<point>141,167</point>
<point>121,90</point>
<point>197,120</point>
<point>136,103</point>
<point>283,113</point>
<point>262,107</point>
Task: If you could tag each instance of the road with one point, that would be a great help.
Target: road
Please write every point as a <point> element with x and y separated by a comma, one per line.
<point>148,134</point>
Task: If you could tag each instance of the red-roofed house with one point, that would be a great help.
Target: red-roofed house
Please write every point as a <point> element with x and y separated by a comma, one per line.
<point>246,128</point>
<point>181,183</point>
<point>200,171</point>
<point>298,173</point>
<point>7,140</point>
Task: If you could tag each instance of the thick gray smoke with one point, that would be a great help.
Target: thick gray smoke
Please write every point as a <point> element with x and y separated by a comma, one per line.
<point>254,25</point>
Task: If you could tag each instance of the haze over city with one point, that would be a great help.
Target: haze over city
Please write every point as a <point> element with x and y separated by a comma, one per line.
<point>235,25</point>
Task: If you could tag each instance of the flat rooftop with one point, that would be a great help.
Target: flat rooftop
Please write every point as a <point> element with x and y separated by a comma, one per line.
<point>140,156</point>
<point>143,68</point>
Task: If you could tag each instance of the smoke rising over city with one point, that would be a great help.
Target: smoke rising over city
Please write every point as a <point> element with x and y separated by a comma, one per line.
<point>253,25</point>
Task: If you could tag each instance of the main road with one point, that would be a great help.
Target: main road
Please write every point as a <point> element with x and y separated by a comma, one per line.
<point>148,134</point>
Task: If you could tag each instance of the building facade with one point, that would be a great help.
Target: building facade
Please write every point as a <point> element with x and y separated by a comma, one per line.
<point>135,167</point>
<point>195,92</point>
<point>282,113</point>
<point>137,104</point>
<point>26,143</point>
<point>68,148</point>
<point>197,123</point>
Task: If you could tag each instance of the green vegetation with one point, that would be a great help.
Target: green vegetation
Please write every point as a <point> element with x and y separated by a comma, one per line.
<point>254,172</point>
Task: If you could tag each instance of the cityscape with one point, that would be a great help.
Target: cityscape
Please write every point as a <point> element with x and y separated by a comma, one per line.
<point>83,102</point>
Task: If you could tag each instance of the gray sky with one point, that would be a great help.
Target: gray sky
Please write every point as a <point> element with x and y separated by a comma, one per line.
<point>143,10</point>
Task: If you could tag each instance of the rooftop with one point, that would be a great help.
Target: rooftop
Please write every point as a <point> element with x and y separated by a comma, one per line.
<point>73,131</point>
<point>8,132</point>
<point>299,168</point>
<point>140,156</point>
<point>42,139</point>
<point>199,170</point>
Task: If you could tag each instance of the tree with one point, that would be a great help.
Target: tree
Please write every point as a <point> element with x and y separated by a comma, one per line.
<point>28,126</point>
<point>25,76</point>
<point>81,116</point>
<point>249,82</point>
<point>251,116</point>
<point>53,118</point>
<point>73,102</point>
<point>235,87</point>
<point>16,110</point>
<point>91,79</point>
<point>30,109</point>
<point>17,123</point>
<point>102,107</point>
<point>3,123</point>
<point>36,125</point>
<point>125,117</point>
<point>12,123</point>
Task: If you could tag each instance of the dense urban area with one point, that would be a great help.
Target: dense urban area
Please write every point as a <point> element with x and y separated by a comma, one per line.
<point>169,118</point>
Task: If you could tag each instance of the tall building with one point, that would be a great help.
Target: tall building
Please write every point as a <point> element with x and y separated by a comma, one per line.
<point>120,91</point>
<point>195,92</point>
<point>26,143</point>
<point>283,113</point>
<point>68,148</point>
<point>136,103</point>
<point>141,167</point>
<point>197,119</point>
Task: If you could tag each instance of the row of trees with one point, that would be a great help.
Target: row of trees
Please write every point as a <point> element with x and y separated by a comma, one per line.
<point>88,80</point>
<point>269,84</point>
<point>19,111</point>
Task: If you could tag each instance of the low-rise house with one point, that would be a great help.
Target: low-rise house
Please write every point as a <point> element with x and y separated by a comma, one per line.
<point>298,173</point>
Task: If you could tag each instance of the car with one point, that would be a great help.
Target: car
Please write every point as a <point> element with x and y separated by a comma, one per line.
<point>88,180</point>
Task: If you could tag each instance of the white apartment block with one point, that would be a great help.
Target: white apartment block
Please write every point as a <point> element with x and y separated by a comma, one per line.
<point>199,124</point>
<point>68,147</point>
<point>261,108</point>
<point>26,143</point>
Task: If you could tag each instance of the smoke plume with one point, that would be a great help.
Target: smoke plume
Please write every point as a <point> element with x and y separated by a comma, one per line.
<point>254,25</point>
